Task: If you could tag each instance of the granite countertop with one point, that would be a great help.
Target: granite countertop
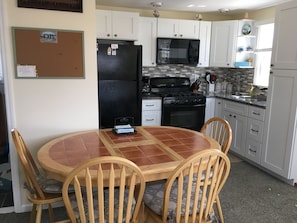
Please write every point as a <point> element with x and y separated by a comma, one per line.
<point>240,99</point>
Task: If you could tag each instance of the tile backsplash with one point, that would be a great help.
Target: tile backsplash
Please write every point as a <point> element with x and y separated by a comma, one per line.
<point>236,76</point>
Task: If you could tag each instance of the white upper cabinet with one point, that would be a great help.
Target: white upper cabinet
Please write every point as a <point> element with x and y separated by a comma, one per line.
<point>176,28</point>
<point>223,43</point>
<point>204,49</point>
<point>147,38</point>
<point>116,25</point>
<point>284,53</point>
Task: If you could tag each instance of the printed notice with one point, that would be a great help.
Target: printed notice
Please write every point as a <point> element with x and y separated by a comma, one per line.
<point>26,71</point>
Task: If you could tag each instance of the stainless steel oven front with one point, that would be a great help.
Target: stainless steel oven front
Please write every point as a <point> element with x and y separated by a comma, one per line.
<point>183,115</point>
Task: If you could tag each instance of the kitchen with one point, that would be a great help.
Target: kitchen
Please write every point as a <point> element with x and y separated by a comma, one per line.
<point>246,113</point>
<point>62,108</point>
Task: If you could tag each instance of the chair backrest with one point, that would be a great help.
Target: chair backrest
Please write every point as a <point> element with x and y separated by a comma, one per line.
<point>220,130</point>
<point>29,166</point>
<point>107,189</point>
<point>194,186</point>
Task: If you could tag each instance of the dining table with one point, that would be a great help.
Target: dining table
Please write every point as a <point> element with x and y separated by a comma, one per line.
<point>157,150</point>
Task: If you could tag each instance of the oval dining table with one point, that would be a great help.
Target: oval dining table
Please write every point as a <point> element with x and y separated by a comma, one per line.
<point>157,150</point>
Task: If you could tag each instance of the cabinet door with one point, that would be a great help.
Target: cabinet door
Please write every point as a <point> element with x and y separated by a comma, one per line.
<point>238,124</point>
<point>188,29</point>
<point>253,150</point>
<point>284,51</point>
<point>223,43</point>
<point>125,25</point>
<point>103,24</point>
<point>218,107</point>
<point>167,28</point>
<point>279,150</point>
<point>151,118</point>
<point>204,36</point>
<point>147,38</point>
<point>175,28</point>
<point>209,108</point>
<point>255,130</point>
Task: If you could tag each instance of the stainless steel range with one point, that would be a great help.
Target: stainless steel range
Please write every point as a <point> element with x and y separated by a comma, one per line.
<point>180,106</point>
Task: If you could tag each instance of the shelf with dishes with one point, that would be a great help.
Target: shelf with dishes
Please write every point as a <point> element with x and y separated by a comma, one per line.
<point>246,43</point>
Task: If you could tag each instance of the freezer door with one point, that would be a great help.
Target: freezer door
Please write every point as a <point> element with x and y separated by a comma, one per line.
<point>125,64</point>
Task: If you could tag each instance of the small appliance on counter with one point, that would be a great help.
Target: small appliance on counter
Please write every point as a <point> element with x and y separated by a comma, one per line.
<point>210,78</point>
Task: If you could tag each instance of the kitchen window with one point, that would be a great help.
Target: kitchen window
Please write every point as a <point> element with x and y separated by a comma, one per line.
<point>263,52</point>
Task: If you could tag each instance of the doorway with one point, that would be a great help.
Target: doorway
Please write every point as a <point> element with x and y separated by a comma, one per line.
<point>6,195</point>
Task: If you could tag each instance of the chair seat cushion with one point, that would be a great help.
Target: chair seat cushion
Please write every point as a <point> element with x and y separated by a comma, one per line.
<point>49,185</point>
<point>96,208</point>
<point>154,196</point>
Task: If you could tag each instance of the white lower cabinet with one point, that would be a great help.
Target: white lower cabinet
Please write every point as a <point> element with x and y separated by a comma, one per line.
<point>247,123</point>
<point>255,131</point>
<point>151,112</point>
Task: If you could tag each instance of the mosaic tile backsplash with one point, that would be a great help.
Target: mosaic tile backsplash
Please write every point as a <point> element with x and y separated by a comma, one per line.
<point>241,79</point>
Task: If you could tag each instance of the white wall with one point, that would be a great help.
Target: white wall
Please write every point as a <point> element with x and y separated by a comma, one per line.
<point>45,108</point>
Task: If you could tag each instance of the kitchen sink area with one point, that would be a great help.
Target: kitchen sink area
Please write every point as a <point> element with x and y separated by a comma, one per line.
<point>257,100</point>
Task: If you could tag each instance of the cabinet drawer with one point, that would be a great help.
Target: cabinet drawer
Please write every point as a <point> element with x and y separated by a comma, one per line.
<point>257,113</point>
<point>151,104</point>
<point>150,118</point>
<point>253,150</point>
<point>236,107</point>
<point>255,130</point>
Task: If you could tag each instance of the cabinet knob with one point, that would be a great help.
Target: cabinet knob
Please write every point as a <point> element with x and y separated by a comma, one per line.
<point>272,65</point>
<point>115,35</point>
<point>175,35</point>
<point>181,35</point>
<point>108,35</point>
<point>234,116</point>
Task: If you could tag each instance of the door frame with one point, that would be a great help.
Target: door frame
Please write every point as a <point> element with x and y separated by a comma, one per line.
<point>7,68</point>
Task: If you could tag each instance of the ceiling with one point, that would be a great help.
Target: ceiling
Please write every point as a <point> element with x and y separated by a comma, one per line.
<point>195,5</point>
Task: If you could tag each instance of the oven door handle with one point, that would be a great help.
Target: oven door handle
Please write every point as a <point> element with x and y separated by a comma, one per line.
<point>199,105</point>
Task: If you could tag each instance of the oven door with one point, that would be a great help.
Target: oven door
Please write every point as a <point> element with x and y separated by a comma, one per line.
<point>184,116</point>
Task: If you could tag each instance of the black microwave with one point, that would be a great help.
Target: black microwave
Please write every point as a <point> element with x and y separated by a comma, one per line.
<point>177,51</point>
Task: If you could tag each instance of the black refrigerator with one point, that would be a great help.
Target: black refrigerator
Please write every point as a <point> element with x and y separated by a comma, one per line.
<point>119,84</point>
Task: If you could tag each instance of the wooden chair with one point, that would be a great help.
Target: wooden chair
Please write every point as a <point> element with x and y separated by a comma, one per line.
<point>40,190</point>
<point>107,189</point>
<point>189,193</point>
<point>220,130</point>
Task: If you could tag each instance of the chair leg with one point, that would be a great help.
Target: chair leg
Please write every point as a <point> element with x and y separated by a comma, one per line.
<point>33,214</point>
<point>219,207</point>
<point>51,213</point>
<point>39,213</point>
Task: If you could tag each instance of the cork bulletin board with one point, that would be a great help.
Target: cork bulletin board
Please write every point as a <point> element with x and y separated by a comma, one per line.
<point>48,53</point>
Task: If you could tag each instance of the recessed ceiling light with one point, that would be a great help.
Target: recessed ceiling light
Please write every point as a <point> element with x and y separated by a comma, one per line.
<point>190,6</point>
<point>201,6</point>
<point>224,10</point>
<point>156,4</point>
